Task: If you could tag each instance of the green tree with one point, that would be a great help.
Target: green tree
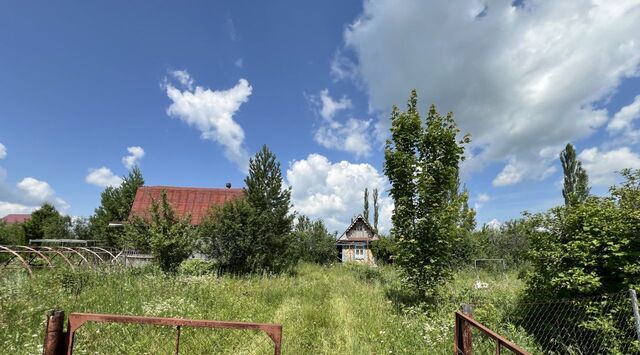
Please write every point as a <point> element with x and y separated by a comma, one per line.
<point>365,210</point>
<point>271,202</point>
<point>171,238</point>
<point>422,164</point>
<point>80,228</point>
<point>376,208</point>
<point>576,181</point>
<point>313,242</point>
<point>227,236</point>
<point>115,206</point>
<point>12,234</point>
<point>46,222</point>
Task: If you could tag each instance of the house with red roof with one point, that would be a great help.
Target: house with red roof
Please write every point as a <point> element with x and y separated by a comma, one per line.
<point>194,201</point>
<point>16,218</point>
<point>354,245</point>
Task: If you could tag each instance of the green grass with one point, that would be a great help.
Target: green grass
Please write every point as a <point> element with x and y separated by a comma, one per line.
<point>324,310</point>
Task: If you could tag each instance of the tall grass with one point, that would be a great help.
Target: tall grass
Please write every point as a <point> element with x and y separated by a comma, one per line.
<point>342,309</point>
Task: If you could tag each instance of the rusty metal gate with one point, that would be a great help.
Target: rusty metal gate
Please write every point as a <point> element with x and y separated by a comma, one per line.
<point>58,342</point>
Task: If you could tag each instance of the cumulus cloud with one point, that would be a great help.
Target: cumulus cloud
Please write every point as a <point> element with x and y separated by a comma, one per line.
<point>481,200</point>
<point>3,151</point>
<point>135,154</point>
<point>520,79</point>
<point>11,208</point>
<point>602,166</point>
<point>102,177</point>
<point>493,224</point>
<point>351,135</point>
<point>211,112</point>
<point>622,122</point>
<point>334,191</point>
<point>183,77</point>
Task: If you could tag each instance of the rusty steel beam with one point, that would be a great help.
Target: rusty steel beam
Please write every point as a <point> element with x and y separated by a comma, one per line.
<point>42,256</point>
<point>76,320</point>
<point>24,263</point>
<point>76,252</point>
<point>92,252</point>
<point>459,336</point>
<point>54,336</point>
<point>113,257</point>
<point>57,252</point>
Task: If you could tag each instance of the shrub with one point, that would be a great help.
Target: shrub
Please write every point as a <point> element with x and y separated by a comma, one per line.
<point>383,250</point>
<point>196,267</point>
<point>312,242</point>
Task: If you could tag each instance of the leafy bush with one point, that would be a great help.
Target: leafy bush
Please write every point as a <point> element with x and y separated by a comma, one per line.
<point>196,267</point>
<point>312,242</point>
<point>383,250</point>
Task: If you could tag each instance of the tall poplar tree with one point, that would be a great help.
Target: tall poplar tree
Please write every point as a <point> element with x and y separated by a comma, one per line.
<point>365,211</point>
<point>375,210</point>
<point>422,163</point>
<point>576,181</point>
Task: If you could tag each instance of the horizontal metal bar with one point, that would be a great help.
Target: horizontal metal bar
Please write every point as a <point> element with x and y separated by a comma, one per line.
<point>506,343</point>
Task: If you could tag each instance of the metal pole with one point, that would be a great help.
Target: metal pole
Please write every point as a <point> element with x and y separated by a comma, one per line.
<point>636,314</point>
<point>54,334</point>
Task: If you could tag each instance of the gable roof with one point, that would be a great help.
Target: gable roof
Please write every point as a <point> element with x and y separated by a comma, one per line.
<point>16,218</point>
<point>343,237</point>
<point>183,200</point>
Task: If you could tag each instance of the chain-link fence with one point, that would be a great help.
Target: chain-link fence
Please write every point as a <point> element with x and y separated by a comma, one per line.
<point>603,324</point>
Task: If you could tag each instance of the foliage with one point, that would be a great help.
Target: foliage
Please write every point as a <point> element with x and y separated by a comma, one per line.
<point>365,208</point>
<point>196,267</point>
<point>576,181</point>
<point>171,238</point>
<point>383,250</point>
<point>422,164</point>
<point>80,228</point>
<point>12,234</point>
<point>253,234</point>
<point>115,206</point>
<point>312,242</point>
<point>136,235</point>
<point>271,222</point>
<point>228,238</point>
<point>46,222</point>
<point>376,210</point>
<point>589,249</point>
<point>510,242</point>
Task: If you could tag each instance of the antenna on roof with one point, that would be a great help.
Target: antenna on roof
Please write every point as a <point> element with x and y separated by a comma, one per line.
<point>228,185</point>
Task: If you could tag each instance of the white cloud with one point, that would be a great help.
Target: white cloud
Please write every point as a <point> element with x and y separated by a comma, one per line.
<point>493,224</point>
<point>37,192</point>
<point>334,191</point>
<point>183,78</point>
<point>602,166</point>
<point>211,112</point>
<point>3,151</point>
<point>102,177</point>
<point>135,154</point>
<point>481,200</point>
<point>519,79</point>
<point>239,63</point>
<point>352,135</point>
<point>27,195</point>
<point>10,208</point>
<point>622,122</point>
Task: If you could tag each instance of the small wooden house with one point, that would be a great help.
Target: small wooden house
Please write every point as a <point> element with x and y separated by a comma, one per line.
<point>354,245</point>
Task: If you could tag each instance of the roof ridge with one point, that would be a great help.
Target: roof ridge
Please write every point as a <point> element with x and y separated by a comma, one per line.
<point>192,188</point>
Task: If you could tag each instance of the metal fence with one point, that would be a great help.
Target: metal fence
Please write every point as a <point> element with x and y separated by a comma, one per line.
<point>90,333</point>
<point>606,324</point>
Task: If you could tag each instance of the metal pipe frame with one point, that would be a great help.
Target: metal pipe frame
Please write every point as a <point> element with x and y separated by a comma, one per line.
<point>24,263</point>
<point>76,320</point>
<point>42,256</point>
<point>57,252</point>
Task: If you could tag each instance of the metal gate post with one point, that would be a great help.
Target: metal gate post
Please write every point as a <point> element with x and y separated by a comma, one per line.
<point>636,314</point>
<point>54,336</point>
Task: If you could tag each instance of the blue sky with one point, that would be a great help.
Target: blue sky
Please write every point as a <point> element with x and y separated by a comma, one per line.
<point>200,86</point>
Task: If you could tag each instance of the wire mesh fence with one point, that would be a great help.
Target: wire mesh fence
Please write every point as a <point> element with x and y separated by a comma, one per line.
<point>593,325</point>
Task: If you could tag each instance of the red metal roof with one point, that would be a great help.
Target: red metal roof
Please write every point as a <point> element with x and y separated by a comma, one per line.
<point>16,218</point>
<point>183,200</point>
